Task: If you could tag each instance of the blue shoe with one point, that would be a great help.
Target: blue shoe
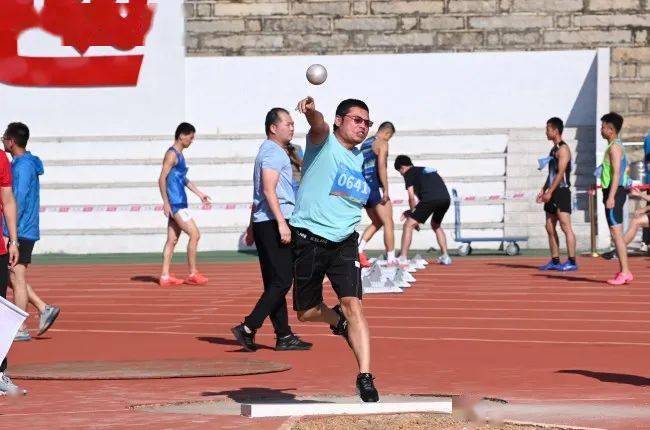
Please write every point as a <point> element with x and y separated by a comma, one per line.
<point>569,267</point>
<point>551,266</point>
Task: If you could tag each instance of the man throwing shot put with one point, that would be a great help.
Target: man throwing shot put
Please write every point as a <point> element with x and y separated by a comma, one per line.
<point>328,208</point>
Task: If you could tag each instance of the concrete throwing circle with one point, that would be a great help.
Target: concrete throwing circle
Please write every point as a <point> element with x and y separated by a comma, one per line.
<point>153,369</point>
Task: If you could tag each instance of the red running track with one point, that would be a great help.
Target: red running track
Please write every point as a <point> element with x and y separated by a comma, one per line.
<point>484,326</point>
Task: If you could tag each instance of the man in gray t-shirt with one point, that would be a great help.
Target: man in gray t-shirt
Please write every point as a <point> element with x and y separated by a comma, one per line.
<point>273,203</point>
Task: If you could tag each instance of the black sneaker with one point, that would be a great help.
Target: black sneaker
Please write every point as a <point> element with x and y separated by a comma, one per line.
<point>291,343</point>
<point>609,255</point>
<point>340,329</point>
<point>246,340</point>
<point>366,388</point>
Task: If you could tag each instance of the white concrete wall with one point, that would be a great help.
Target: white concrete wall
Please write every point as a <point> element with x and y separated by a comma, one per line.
<point>455,112</point>
<point>222,167</point>
<point>154,106</point>
<point>416,91</point>
<point>125,172</point>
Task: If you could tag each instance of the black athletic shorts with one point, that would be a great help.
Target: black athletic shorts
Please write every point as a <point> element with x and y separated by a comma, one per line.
<point>436,209</point>
<point>614,216</point>
<point>560,201</point>
<point>313,258</point>
<point>25,249</point>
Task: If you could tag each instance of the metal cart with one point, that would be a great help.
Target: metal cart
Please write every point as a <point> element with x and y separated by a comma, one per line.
<point>512,248</point>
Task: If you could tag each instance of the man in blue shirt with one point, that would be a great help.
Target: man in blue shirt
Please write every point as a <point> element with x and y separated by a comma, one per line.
<point>25,169</point>
<point>8,253</point>
<point>273,203</point>
<point>328,208</point>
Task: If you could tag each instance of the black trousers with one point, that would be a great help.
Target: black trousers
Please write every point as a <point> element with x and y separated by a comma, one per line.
<point>4,282</point>
<point>276,263</point>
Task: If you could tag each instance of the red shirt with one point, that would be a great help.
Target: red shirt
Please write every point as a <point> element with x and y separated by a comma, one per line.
<point>5,181</point>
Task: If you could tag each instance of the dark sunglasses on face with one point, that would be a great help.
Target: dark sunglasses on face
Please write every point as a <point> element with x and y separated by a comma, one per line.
<point>358,120</point>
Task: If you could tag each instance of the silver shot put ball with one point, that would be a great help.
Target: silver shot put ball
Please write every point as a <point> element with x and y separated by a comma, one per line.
<point>316,74</point>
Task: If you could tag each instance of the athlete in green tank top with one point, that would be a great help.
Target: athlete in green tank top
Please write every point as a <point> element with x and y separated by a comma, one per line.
<point>607,171</point>
<point>612,179</point>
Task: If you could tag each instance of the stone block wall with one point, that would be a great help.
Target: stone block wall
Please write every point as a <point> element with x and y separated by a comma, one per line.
<point>294,27</point>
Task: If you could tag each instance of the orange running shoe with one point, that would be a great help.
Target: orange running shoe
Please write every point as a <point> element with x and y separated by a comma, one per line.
<point>169,281</point>
<point>363,260</point>
<point>196,279</point>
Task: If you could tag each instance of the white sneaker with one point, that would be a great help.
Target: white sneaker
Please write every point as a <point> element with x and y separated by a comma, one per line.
<point>421,259</point>
<point>395,262</point>
<point>8,388</point>
<point>22,336</point>
<point>445,260</point>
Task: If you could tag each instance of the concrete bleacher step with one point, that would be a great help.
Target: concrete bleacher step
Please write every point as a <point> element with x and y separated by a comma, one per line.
<point>243,191</point>
<point>239,216</point>
<point>152,239</point>
<point>119,183</point>
<point>135,173</point>
<point>118,170</point>
<point>237,160</point>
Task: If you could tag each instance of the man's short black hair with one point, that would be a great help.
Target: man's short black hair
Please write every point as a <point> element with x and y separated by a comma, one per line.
<point>272,117</point>
<point>347,104</point>
<point>614,119</point>
<point>184,128</point>
<point>386,125</point>
<point>19,132</point>
<point>556,123</point>
<point>402,160</point>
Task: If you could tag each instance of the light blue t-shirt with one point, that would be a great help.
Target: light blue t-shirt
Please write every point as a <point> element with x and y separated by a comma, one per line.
<point>332,191</point>
<point>272,156</point>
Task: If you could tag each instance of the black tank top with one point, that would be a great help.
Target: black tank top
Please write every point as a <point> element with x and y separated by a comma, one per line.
<point>553,167</point>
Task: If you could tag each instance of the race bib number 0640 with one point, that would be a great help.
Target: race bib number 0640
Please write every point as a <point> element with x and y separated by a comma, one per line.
<point>351,186</point>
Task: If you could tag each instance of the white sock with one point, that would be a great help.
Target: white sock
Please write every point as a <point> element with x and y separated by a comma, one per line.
<point>390,255</point>
<point>402,258</point>
<point>362,245</point>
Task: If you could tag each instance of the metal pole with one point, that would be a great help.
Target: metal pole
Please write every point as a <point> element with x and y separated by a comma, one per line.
<point>592,220</point>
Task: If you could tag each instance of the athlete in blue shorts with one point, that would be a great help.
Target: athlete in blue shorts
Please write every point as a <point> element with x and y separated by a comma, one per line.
<point>379,207</point>
<point>613,179</point>
<point>172,182</point>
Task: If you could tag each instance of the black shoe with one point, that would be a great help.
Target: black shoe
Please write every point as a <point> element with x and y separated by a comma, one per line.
<point>340,329</point>
<point>609,255</point>
<point>366,388</point>
<point>246,340</point>
<point>291,343</point>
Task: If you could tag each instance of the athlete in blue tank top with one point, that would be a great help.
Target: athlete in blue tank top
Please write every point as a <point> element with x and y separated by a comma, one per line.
<point>176,182</point>
<point>370,167</point>
<point>328,208</point>
<point>172,182</point>
<point>378,207</point>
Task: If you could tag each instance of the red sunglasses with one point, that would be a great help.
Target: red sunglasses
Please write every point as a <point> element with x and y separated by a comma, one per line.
<point>358,120</point>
